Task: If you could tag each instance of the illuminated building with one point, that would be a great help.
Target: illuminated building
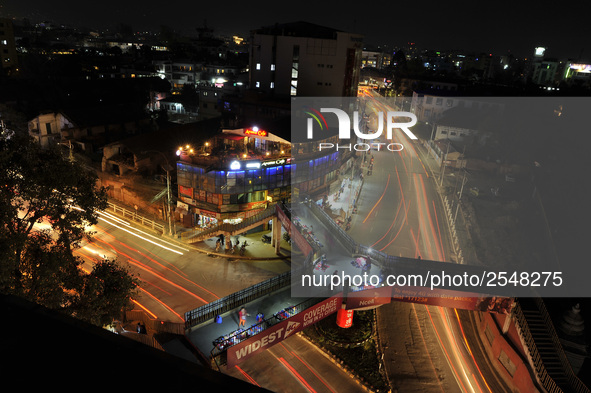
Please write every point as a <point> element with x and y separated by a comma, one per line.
<point>577,71</point>
<point>304,59</point>
<point>240,171</point>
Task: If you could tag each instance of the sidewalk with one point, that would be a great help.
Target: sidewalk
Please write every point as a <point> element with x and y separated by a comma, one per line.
<point>255,250</point>
<point>343,195</point>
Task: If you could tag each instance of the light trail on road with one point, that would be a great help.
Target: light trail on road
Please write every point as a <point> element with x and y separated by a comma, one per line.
<point>424,230</point>
<point>297,375</point>
<point>379,200</point>
<point>308,367</point>
<point>146,268</point>
<point>248,377</point>
<point>144,235</point>
<point>162,283</point>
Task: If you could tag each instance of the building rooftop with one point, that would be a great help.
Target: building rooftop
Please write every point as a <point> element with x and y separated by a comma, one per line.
<point>299,29</point>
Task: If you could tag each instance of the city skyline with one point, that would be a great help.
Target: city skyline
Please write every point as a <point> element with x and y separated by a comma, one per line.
<point>514,28</point>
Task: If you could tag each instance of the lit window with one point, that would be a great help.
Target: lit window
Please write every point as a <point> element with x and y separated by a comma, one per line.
<point>272,67</point>
<point>272,85</point>
<point>258,67</point>
<point>258,84</point>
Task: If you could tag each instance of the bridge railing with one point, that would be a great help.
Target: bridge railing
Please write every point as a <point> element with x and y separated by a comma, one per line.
<point>344,238</point>
<point>133,216</point>
<point>209,311</point>
<point>237,337</point>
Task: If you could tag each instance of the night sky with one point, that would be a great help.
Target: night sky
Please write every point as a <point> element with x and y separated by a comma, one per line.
<point>491,27</point>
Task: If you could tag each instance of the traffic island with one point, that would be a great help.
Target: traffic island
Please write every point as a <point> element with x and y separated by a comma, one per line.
<point>353,349</point>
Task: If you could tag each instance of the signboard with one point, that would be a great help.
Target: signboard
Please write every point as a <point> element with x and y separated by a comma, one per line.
<point>369,298</point>
<point>255,132</point>
<point>244,165</point>
<point>284,329</point>
<point>280,161</point>
<point>207,213</point>
<point>453,299</point>
<point>187,191</point>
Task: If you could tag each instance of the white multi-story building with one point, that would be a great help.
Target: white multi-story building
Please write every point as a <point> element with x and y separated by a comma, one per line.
<point>430,105</point>
<point>304,59</point>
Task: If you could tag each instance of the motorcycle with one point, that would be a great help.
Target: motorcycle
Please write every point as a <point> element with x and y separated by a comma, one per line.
<point>266,239</point>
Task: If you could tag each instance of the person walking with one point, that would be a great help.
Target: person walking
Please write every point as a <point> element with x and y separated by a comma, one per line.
<point>242,315</point>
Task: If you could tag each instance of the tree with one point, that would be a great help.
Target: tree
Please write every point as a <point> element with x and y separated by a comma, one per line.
<point>47,202</point>
<point>106,291</point>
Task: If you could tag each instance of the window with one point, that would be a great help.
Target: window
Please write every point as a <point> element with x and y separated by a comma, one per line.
<point>272,85</point>
<point>439,101</point>
<point>258,66</point>
<point>272,67</point>
<point>258,84</point>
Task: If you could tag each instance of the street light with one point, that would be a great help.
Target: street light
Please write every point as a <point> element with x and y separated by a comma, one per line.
<point>169,196</point>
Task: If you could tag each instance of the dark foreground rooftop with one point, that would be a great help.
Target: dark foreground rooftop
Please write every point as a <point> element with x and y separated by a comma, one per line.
<point>46,349</point>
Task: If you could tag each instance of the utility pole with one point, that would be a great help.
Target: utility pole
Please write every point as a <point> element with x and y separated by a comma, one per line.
<point>168,192</point>
<point>443,160</point>
<point>169,201</point>
<point>460,197</point>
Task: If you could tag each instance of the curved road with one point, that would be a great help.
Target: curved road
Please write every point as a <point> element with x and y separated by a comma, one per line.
<point>400,213</point>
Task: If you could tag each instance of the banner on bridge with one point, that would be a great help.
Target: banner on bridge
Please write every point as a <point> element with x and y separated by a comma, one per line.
<point>284,329</point>
<point>453,299</point>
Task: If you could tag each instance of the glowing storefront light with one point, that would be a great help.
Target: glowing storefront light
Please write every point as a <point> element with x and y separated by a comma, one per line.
<point>586,68</point>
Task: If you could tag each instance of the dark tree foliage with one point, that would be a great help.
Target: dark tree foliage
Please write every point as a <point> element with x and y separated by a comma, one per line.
<point>47,204</point>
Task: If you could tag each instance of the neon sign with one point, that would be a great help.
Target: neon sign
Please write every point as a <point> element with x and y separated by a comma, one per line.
<point>255,131</point>
<point>237,165</point>
<point>280,161</point>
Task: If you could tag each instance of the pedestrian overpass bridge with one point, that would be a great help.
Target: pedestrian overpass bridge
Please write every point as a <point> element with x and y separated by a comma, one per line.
<point>285,314</point>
